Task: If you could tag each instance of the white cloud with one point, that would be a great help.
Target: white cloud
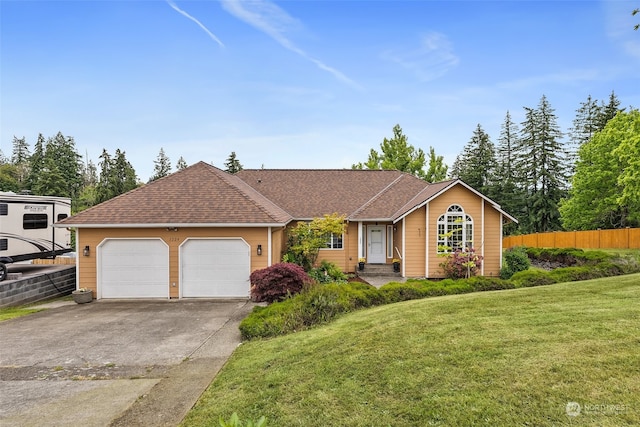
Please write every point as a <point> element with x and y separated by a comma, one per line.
<point>432,59</point>
<point>275,22</point>
<point>200,24</point>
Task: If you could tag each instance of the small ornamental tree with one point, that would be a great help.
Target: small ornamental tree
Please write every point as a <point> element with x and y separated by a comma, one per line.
<point>306,239</point>
<point>277,281</point>
<point>461,264</point>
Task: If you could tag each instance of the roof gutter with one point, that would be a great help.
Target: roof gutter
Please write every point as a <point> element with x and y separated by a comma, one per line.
<point>165,225</point>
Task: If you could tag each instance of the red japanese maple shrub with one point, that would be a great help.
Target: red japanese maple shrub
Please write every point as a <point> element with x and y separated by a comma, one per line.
<point>277,281</point>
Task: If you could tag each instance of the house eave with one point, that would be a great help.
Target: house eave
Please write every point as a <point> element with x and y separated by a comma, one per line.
<point>174,224</point>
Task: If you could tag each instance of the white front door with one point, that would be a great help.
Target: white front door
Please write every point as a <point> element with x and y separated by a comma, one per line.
<point>376,245</point>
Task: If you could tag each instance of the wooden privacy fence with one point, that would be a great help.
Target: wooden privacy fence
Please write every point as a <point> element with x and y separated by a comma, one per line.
<point>623,238</point>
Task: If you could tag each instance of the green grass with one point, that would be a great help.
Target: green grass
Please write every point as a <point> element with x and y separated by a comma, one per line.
<point>13,312</point>
<point>505,358</point>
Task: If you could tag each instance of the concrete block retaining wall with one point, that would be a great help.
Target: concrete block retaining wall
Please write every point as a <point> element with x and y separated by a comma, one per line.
<point>38,288</point>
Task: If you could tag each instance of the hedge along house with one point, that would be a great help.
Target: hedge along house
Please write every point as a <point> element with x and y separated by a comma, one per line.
<point>200,232</point>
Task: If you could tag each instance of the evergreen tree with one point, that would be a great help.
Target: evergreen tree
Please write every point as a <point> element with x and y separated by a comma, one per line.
<point>36,162</point>
<point>541,168</point>
<point>504,190</point>
<point>476,165</point>
<point>182,164</point>
<point>123,174</point>
<point>104,188</point>
<point>608,111</point>
<point>51,181</point>
<point>232,165</point>
<point>117,176</point>
<point>162,166</point>
<point>20,152</point>
<point>20,158</point>
<point>585,124</point>
<point>62,151</point>
<point>397,154</point>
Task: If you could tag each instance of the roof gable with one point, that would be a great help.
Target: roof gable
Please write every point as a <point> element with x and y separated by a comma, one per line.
<point>198,195</point>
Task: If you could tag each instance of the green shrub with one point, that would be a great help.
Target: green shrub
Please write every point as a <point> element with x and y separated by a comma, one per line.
<point>362,295</point>
<point>609,268</point>
<point>528,278</point>
<point>483,283</point>
<point>515,260</point>
<point>572,274</point>
<point>328,272</point>
<point>396,292</point>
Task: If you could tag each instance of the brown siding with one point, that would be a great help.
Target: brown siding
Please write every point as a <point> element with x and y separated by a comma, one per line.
<point>87,272</point>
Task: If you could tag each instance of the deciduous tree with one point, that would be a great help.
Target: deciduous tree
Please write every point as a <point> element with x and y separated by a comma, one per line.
<point>605,190</point>
<point>396,154</point>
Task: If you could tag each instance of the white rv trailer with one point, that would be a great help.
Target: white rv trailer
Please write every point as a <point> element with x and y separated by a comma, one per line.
<point>27,231</point>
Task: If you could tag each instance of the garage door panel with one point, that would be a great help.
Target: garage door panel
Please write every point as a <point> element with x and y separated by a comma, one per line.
<point>134,268</point>
<point>215,268</point>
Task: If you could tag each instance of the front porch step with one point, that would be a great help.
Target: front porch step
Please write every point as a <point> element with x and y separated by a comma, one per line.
<point>377,270</point>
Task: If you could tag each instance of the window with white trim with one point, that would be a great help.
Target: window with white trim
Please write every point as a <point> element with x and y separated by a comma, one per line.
<point>334,241</point>
<point>455,230</point>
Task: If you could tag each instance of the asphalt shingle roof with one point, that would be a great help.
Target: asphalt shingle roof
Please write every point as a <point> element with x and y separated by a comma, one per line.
<point>205,195</point>
<point>200,194</point>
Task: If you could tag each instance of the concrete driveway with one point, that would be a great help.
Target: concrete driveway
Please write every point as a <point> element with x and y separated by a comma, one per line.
<point>114,362</point>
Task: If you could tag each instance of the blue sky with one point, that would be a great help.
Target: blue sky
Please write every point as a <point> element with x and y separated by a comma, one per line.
<point>301,84</point>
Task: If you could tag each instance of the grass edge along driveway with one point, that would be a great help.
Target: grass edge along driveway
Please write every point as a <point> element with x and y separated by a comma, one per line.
<point>565,354</point>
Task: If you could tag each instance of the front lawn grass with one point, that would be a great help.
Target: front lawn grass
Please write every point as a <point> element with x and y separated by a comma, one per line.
<point>505,358</point>
<point>13,312</point>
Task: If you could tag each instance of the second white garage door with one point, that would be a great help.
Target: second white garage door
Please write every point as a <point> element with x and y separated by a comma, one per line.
<point>213,268</point>
<point>133,268</point>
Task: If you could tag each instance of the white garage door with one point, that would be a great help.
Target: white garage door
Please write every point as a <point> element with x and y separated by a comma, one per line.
<point>133,268</point>
<point>215,268</point>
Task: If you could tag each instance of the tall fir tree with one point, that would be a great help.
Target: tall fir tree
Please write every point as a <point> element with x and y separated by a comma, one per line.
<point>117,176</point>
<point>62,150</point>
<point>477,162</point>
<point>181,164</point>
<point>20,158</point>
<point>541,167</point>
<point>36,162</point>
<point>505,190</point>
<point>162,166</point>
<point>232,165</point>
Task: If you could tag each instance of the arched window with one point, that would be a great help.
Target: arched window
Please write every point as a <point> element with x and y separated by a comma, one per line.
<point>455,230</point>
